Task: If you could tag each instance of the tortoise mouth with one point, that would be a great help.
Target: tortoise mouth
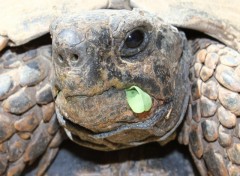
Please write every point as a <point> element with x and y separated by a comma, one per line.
<point>128,135</point>
<point>104,112</point>
<point>117,127</point>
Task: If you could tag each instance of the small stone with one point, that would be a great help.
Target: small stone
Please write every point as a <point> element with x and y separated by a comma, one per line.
<point>196,89</point>
<point>210,89</point>
<point>206,73</point>
<point>201,55</point>
<point>6,85</point>
<point>210,130</point>
<point>48,111</point>
<point>226,76</point>
<point>225,139</point>
<point>195,140</point>
<point>211,60</point>
<point>16,168</point>
<point>6,127</point>
<point>196,111</point>
<point>29,121</point>
<point>32,73</point>
<point>214,162</point>
<point>3,163</point>
<point>197,69</point>
<point>230,100</point>
<point>16,148</point>
<point>208,107</point>
<point>20,102</point>
<point>234,153</point>
<point>229,60</point>
<point>226,118</point>
<point>44,95</point>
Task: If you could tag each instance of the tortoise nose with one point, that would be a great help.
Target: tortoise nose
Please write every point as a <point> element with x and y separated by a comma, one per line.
<point>71,48</point>
<point>69,38</point>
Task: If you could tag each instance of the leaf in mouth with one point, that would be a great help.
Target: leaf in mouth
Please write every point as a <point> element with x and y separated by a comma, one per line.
<point>138,100</point>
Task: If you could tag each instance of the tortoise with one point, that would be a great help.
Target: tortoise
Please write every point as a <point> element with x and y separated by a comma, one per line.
<point>81,82</point>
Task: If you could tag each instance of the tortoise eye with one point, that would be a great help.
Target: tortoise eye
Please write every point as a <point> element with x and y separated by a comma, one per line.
<point>134,39</point>
<point>135,42</point>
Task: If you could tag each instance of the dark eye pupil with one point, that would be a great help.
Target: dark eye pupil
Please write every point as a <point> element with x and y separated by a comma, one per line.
<point>134,39</point>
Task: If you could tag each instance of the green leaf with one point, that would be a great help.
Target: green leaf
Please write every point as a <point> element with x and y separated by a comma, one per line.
<point>138,100</point>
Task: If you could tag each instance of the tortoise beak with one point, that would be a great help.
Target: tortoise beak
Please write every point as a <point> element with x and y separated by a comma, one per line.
<point>115,135</point>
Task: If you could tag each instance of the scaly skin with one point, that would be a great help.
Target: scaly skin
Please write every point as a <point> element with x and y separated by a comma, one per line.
<point>28,124</point>
<point>211,128</point>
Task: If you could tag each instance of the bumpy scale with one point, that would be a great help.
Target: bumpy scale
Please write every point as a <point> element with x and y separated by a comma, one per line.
<point>28,124</point>
<point>212,123</point>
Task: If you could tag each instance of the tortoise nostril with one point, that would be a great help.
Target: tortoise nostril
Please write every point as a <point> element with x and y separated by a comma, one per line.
<point>74,58</point>
<point>60,58</point>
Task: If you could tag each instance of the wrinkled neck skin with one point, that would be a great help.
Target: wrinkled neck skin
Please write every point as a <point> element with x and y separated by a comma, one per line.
<point>94,64</point>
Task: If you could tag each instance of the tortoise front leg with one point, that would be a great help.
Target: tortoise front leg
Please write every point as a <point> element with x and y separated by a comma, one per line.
<point>28,124</point>
<point>212,122</point>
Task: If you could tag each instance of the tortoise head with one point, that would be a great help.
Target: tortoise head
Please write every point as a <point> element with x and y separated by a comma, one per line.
<point>97,55</point>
